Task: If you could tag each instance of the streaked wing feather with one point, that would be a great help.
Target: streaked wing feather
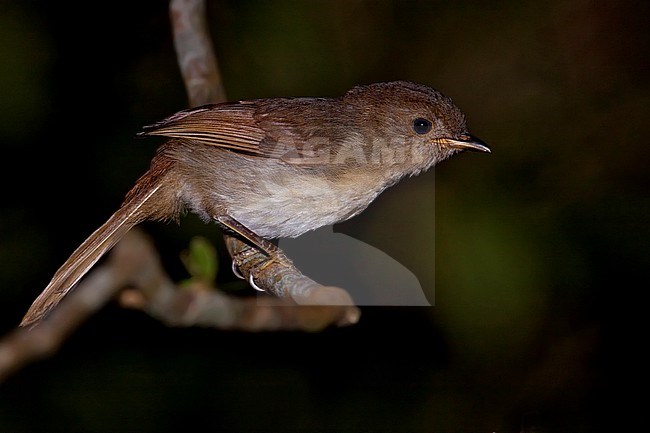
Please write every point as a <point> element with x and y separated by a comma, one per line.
<point>230,125</point>
<point>244,127</point>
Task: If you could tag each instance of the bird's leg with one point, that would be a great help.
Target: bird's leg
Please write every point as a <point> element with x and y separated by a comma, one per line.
<point>245,234</point>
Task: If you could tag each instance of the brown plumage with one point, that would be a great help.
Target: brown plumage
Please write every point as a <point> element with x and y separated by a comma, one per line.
<point>270,168</point>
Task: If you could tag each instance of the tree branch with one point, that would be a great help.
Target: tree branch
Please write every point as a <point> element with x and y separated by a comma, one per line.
<point>195,53</point>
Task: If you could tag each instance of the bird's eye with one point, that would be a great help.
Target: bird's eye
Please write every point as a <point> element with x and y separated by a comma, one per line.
<point>421,126</point>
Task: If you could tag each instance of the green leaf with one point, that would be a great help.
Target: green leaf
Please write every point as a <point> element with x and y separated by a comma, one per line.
<point>201,261</point>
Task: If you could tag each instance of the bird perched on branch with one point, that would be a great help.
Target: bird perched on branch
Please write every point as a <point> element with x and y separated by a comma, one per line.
<point>278,167</point>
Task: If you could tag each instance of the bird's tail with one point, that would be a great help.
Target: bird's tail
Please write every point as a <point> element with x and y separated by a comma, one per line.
<point>132,212</point>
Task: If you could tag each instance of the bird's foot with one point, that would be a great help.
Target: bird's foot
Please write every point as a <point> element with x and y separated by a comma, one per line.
<point>250,258</point>
<point>256,270</point>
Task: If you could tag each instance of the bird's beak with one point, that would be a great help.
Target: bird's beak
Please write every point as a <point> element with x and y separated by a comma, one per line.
<point>467,142</point>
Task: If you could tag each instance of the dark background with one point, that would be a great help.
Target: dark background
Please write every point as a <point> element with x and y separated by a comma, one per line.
<point>540,249</point>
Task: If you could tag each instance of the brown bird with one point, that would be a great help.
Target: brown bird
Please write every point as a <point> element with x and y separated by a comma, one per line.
<point>272,168</point>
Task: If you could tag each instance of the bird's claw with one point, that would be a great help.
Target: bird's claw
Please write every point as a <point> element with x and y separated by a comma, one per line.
<point>235,270</point>
<point>257,268</point>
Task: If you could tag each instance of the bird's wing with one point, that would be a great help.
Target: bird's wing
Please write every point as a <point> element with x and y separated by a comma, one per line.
<point>257,127</point>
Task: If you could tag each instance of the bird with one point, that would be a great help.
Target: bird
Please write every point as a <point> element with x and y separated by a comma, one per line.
<point>273,168</point>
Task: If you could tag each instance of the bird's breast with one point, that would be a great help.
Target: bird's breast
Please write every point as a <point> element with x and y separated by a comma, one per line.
<point>276,199</point>
<point>287,206</point>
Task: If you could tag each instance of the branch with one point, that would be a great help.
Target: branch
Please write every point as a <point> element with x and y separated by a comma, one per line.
<point>195,53</point>
<point>198,305</point>
<point>134,262</point>
<point>97,289</point>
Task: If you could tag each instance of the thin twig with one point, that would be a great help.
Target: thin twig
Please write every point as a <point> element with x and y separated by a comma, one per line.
<point>154,293</point>
<point>24,345</point>
<point>195,53</point>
